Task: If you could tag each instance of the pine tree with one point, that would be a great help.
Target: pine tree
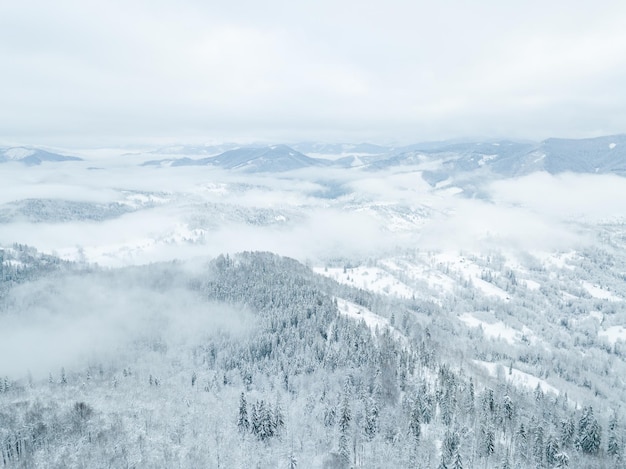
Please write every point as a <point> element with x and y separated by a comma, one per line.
<point>568,431</point>
<point>243,424</point>
<point>265,426</point>
<point>457,463</point>
<point>346,415</point>
<point>414,422</point>
<point>293,462</point>
<point>470,404</point>
<point>562,460</point>
<point>589,439</point>
<point>278,418</point>
<point>442,463</point>
<point>613,445</point>
<point>345,418</point>
<point>451,443</point>
<point>538,444</point>
<point>489,440</point>
<point>255,425</point>
<point>552,449</point>
<point>507,408</point>
<point>371,418</point>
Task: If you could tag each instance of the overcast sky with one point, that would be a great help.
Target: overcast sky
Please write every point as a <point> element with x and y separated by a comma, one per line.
<point>116,72</point>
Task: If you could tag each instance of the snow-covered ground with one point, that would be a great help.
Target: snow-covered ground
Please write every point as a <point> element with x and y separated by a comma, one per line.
<point>555,259</point>
<point>361,313</point>
<point>600,293</point>
<point>455,262</point>
<point>372,320</point>
<point>18,153</point>
<point>368,278</point>
<point>497,329</point>
<point>532,285</point>
<point>517,377</point>
<point>418,273</point>
<point>613,334</point>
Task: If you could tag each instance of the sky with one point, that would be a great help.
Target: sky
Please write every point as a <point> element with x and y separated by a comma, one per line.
<point>98,73</point>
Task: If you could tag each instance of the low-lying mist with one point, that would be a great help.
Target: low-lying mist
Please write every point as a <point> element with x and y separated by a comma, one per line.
<point>76,321</point>
<point>311,214</point>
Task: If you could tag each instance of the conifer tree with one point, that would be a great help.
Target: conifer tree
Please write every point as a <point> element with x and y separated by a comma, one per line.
<point>614,438</point>
<point>345,418</point>
<point>457,462</point>
<point>414,422</point>
<point>243,424</point>
<point>589,438</point>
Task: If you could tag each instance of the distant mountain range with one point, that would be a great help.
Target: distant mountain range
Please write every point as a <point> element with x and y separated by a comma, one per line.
<point>440,160</point>
<point>32,156</point>
<point>275,158</point>
<point>341,149</point>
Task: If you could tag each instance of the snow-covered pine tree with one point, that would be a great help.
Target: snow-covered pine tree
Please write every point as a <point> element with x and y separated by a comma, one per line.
<point>243,424</point>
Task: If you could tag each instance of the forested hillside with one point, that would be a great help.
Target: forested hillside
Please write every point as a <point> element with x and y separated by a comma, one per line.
<point>252,360</point>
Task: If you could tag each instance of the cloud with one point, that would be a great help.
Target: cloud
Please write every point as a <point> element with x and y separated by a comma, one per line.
<point>79,72</point>
<point>76,322</point>
<point>565,197</point>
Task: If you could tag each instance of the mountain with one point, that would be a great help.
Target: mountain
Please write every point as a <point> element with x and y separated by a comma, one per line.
<point>341,148</point>
<point>275,158</point>
<point>32,156</point>
<point>510,158</point>
<point>227,363</point>
<point>195,150</point>
<point>455,156</point>
<point>556,155</point>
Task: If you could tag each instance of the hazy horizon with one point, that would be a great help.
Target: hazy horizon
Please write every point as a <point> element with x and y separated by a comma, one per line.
<point>80,74</point>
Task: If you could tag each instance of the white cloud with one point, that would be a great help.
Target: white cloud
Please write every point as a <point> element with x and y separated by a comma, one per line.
<point>74,322</point>
<point>82,72</point>
<point>565,197</point>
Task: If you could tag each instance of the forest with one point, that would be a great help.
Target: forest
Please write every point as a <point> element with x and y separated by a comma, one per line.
<point>259,367</point>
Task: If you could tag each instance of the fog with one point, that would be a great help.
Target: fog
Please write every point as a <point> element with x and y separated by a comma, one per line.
<point>383,71</point>
<point>176,213</point>
<point>194,214</point>
<point>94,320</point>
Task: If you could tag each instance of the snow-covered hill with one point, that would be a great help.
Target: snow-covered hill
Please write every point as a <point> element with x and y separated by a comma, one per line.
<point>441,299</point>
<point>32,156</point>
<point>275,158</point>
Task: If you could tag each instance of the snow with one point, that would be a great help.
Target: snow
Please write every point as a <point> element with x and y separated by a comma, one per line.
<point>532,285</point>
<point>486,158</point>
<point>495,330</point>
<point>518,378</point>
<point>372,320</point>
<point>612,145</point>
<point>443,183</point>
<point>555,259</point>
<point>368,278</point>
<point>435,280</point>
<point>597,315</point>
<point>214,188</point>
<point>470,271</point>
<point>358,312</point>
<point>598,292</point>
<point>613,334</point>
<point>18,153</point>
<point>357,162</point>
<point>141,200</point>
<point>132,250</point>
